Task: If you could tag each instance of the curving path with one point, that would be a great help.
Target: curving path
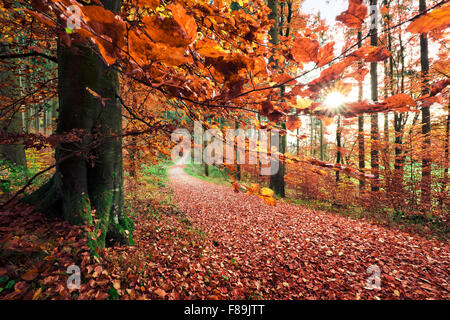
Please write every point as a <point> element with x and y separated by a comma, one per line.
<point>288,251</point>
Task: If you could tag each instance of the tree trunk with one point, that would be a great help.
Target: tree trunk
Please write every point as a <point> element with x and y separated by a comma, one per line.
<point>446,153</point>
<point>399,125</point>
<point>277,179</point>
<point>237,153</point>
<point>338,145</point>
<point>11,122</point>
<point>80,185</point>
<point>14,153</point>
<point>37,120</point>
<point>321,140</point>
<point>374,154</point>
<point>426,126</point>
<point>277,183</point>
<point>361,151</point>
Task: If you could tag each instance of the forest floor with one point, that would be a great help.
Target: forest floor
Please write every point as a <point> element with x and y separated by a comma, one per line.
<point>199,240</point>
<point>289,251</point>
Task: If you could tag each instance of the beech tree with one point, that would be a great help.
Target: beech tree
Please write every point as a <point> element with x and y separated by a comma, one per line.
<point>426,122</point>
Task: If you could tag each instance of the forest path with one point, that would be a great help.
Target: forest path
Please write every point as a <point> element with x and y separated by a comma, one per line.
<point>288,251</point>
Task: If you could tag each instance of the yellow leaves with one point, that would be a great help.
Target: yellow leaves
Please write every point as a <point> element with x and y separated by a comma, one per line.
<point>210,48</point>
<point>264,193</point>
<point>254,187</point>
<point>437,19</point>
<point>37,294</point>
<point>269,200</point>
<point>303,103</point>
<point>267,195</point>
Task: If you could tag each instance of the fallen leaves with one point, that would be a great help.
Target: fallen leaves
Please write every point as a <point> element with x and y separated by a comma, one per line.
<point>273,252</point>
<point>287,251</point>
<point>30,275</point>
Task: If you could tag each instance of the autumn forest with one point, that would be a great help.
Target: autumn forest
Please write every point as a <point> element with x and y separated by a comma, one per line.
<point>224,150</point>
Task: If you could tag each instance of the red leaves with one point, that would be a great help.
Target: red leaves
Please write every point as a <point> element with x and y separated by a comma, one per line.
<point>284,78</point>
<point>354,16</point>
<point>326,54</point>
<point>293,122</point>
<point>106,30</point>
<point>152,4</point>
<point>210,48</point>
<point>372,54</point>
<point>400,102</point>
<point>311,252</point>
<point>439,18</point>
<point>305,49</point>
<point>177,31</point>
<point>266,107</point>
<point>144,51</point>
<point>163,39</point>
<point>185,22</point>
<point>332,73</point>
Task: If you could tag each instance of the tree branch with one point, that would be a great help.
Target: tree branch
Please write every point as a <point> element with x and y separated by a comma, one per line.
<point>29,54</point>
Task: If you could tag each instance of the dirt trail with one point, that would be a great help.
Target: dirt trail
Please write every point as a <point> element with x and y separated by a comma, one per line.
<point>288,251</point>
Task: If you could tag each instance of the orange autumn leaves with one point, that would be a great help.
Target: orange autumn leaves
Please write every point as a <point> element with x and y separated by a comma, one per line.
<point>438,18</point>
<point>264,193</point>
<point>163,39</point>
<point>307,50</point>
<point>159,38</point>
<point>355,15</point>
